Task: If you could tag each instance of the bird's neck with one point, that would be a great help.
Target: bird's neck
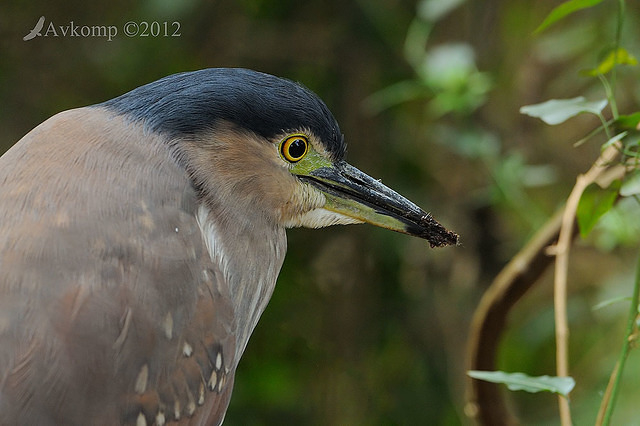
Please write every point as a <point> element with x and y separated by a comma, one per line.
<point>249,251</point>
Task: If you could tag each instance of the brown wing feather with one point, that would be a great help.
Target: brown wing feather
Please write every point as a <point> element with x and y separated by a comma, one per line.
<point>111,310</point>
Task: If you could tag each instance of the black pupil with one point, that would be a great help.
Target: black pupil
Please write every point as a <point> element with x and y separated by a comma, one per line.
<point>297,148</point>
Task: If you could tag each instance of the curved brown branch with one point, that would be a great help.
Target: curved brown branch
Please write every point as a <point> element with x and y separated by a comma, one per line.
<point>485,404</point>
<point>562,249</point>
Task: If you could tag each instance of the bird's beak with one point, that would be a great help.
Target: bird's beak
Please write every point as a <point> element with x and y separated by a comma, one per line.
<point>355,194</point>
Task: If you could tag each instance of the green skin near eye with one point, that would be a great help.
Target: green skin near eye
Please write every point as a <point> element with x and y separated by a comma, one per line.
<point>310,162</point>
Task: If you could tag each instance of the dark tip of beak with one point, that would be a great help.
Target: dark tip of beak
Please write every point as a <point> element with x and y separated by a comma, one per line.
<point>436,234</point>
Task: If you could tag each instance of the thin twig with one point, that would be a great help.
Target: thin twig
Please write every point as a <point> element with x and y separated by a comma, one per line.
<point>561,270</point>
<point>607,396</point>
<point>614,73</point>
<point>608,403</point>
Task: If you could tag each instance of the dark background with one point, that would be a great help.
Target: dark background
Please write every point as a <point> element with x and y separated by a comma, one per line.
<point>368,327</point>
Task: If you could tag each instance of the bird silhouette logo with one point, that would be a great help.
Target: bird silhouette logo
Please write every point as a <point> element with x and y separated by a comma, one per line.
<point>36,30</point>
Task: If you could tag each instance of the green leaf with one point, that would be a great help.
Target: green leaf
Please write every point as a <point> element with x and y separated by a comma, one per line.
<point>396,94</point>
<point>623,58</point>
<point>556,111</point>
<point>565,9</point>
<point>594,203</point>
<point>435,10</point>
<point>631,185</point>
<point>628,122</point>
<point>613,140</point>
<point>521,381</point>
<point>610,302</point>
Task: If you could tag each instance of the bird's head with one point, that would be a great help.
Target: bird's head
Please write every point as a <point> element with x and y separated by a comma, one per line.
<point>260,142</point>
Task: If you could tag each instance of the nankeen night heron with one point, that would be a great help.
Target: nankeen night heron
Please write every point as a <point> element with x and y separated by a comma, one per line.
<point>141,239</point>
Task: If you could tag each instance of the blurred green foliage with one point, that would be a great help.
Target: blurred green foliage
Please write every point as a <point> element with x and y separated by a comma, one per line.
<point>367,327</point>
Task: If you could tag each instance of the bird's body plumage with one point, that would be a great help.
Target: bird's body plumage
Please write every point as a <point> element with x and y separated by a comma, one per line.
<point>108,289</point>
<point>141,239</point>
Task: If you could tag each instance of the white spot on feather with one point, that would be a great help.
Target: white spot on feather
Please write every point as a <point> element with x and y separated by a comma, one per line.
<point>213,380</point>
<point>142,379</point>
<point>176,410</point>
<point>126,321</point>
<point>160,419</point>
<point>141,420</point>
<point>191,408</point>
<point>168,326</point>
<point>221,383</point>
<point>218,361</point>
<point>201,394</point>
<point>187,350</point>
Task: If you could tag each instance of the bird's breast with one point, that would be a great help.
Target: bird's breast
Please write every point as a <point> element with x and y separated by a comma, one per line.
<point>250,253</point>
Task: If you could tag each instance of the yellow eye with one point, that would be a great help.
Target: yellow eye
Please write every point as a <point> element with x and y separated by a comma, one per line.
<point>294,148</point>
